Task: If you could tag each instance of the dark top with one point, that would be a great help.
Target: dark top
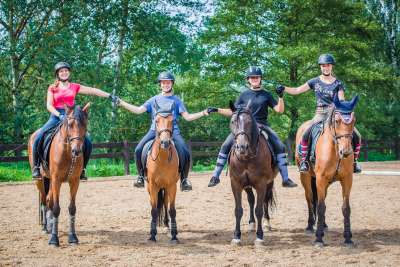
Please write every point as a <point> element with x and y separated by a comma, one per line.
<point>324,92</point>
<point>260,101</point>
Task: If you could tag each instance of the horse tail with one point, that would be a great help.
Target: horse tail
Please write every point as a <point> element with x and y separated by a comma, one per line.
<point>315,196</point>
<point>160,205</point>
<point>269,202</point>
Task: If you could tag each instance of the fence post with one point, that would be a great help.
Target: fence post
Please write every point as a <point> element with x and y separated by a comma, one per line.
<point>126,157</point>
<point>189,143</point>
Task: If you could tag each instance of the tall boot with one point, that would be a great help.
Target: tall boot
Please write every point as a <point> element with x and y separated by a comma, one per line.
<point>282,165</point>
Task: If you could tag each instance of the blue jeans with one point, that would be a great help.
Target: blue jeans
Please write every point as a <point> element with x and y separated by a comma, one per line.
<point>181,148</point>
<point>51,123</point>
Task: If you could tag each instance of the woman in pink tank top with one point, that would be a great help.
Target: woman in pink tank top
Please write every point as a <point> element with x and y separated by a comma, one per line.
<point>60,93</point>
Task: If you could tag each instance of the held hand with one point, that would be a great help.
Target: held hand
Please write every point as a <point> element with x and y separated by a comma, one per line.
<point>61,117</point>
<point>280,89</point>
<point>114,99</point>
<point>211,110</point>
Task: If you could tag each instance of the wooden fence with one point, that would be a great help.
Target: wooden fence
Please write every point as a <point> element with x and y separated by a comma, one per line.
<point>125,150</point>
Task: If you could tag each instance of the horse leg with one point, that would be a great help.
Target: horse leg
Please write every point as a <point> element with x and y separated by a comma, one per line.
<point>251,199</point>
<point>346,188</point>
<point>261,191</point>
<point>321,208</point>
<point>55,192</point>
<point>306,181</point>
<point>237,193</point>
<point>171,193</point>
<point>49,210</point>
<point>73,188</point>
<point>154,212</point>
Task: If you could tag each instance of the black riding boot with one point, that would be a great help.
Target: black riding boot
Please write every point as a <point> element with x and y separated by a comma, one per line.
<point>186,185</point>
<point>304,166</point>
<point>36,167</point>
<point>83,175</point>
<point>214,181</point>
<point>356,167</point>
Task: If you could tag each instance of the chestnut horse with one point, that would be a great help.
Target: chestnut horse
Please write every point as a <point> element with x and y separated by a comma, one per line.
<point>334,162</point>
<point>163,174</point>
<point>65,165</point>
<point>250,166</point>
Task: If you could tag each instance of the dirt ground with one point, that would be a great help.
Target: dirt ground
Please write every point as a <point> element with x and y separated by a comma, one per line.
<point>113,221</point>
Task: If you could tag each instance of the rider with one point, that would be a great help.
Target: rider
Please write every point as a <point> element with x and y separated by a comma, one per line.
<point>325,87</point>
<point>260,101</point>
<point>61,92</point>
<point>166,81</point>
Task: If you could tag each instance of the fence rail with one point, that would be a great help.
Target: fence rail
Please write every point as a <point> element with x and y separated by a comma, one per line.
<point>125,150</point>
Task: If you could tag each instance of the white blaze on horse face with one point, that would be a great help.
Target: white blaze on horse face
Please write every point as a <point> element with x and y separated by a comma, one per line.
<point>344,126</point>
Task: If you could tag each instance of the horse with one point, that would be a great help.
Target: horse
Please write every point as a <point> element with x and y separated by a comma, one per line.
<point>250,166</point>
<point>163,174</point>
<point>65,165</point>
<point>333,162</point>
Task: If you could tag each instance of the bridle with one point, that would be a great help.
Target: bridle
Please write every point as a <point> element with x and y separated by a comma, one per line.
<point>253,154</point>
<point>70,139</point>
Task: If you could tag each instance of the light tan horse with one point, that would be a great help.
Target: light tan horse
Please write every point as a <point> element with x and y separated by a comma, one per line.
<point>334,162</point>
<point>162,175</point>
<point>65,165</point>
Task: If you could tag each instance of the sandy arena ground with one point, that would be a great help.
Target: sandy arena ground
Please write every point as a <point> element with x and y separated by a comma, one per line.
<point>113,220</point>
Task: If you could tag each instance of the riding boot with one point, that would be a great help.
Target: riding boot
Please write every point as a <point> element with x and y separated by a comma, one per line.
<point>139,182</point>
<point>282,165</point>
<point>83,176</point>
<point>214,181</point>
<point>186,185</point>
<point>36,167</point>
<point>356,167</point>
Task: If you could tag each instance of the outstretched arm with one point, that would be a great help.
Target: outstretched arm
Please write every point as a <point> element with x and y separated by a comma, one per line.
<point>296,90</point>
<point>131,108</point>
<point>191,117</point>
<point>225,112</point>
<point>93,91</point>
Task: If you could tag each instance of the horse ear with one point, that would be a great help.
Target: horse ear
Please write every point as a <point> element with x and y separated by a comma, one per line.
<point>336,100</point>
<point>354,102</point>
<point>232,106</point>
<point>86,107</point>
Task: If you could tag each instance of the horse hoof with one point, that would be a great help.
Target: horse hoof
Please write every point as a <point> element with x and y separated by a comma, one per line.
<point>174,241</point>
<point>319,244</point>
<point>73,239</point>
<point>252,227</point>
<point>54,241</point>
<point>349,244</point>
<point>309,231</point>
<point>236,242</point>
<point>259,242</point>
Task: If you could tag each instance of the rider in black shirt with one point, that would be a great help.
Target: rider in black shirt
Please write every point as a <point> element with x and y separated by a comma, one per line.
<point>260,101</point>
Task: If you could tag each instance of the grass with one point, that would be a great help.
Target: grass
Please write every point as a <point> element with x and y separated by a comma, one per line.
<point>20,171</point>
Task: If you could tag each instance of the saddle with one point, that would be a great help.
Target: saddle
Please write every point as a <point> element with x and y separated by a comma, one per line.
<point>315,133</point>
<point>45,143</point>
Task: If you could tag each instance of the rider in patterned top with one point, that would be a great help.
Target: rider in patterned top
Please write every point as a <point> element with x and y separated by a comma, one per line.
<point>325,87</point>
<point>261,100</point>
<point>60,93</point>
<point>167,98</point>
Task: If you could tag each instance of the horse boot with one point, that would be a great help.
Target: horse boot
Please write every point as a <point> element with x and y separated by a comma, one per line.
<point>139,182</point>
<point>214,181</point>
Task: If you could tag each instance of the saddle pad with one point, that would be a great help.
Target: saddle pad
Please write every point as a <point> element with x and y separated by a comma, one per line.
<point>315,133</point>
<point>45,143</point>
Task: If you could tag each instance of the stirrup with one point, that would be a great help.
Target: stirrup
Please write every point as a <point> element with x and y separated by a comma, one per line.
<point>304,167</point>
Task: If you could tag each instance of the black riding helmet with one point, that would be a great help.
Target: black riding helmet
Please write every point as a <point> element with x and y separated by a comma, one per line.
<point>253,71</point>
<point>326,59</point>
<point>166,76</point>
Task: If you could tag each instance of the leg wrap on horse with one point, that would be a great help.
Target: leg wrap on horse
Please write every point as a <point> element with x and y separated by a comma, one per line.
<point>223,155</point>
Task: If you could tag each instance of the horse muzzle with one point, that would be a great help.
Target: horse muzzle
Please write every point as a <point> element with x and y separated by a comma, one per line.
<point>165,144</point>
<point>344,153</point>
<point>242,148</point>
<point>76,152</point>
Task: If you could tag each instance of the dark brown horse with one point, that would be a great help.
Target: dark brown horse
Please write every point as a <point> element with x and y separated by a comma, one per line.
<point>334,162</point>
<point>250,166</point>
<point>162,175</point>
<point>65,165</point>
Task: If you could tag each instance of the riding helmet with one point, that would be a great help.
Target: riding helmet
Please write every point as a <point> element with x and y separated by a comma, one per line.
<point>61,65</point>
<point>326,59</point>
<point>253,71</point>
<point>166,76</point>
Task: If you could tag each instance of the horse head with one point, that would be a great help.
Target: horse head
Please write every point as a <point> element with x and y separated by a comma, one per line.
<point>75,124</point>
<point>342,122</point>
<point>244,128</point>
<point>164,124</point>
